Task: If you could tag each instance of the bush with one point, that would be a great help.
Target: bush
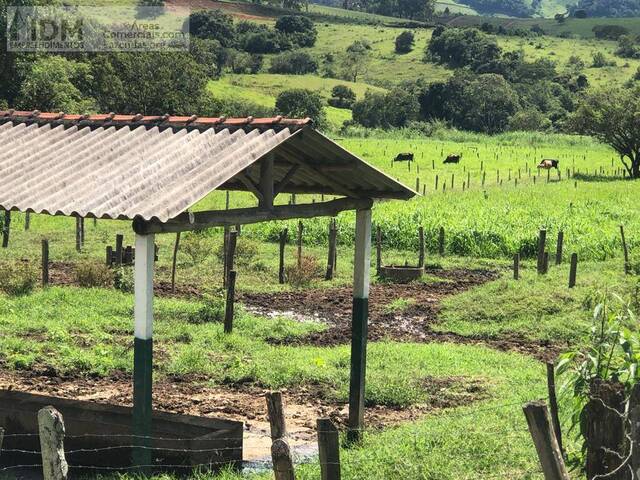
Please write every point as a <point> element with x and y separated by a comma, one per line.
<point>212,310</point>
<point>212,24</point>
<point>302,276</point>
<point>246,251</point>
<point>300,29</point>
<point>242,62</point>
<point>197,246</point>
<point>342,97</point>
<point>123,279</point>
<point>609,32</point>
<point>404,42</point>
<point>600,61</point>
<point>293,63</point>
<point>93,274</point>
<point>17,278</point>
<point>529,121</point>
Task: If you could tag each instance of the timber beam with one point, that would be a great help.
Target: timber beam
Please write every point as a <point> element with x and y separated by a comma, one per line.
<point>241,216</point>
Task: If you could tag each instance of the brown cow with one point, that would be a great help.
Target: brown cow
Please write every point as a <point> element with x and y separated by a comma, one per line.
<point>549,163</point>
<point>453,158</point>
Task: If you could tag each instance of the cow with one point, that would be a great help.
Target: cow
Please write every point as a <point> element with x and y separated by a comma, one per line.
<point>404,157</point>
<point>453,158</point>
<point>549,163</point>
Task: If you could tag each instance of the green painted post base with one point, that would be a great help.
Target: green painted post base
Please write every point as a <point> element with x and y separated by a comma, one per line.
<point>359,331</point>
<point>142,403</point>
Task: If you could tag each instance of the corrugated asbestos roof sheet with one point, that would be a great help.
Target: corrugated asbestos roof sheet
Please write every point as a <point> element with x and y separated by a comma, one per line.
<point>128,166</point>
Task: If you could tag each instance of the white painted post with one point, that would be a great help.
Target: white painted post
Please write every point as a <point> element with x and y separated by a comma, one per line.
<point>143,349</point>
<point>51,430</point>
<point>359,325</point>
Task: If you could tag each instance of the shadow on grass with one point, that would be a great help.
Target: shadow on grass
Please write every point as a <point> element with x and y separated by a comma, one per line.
<point>583,177</point>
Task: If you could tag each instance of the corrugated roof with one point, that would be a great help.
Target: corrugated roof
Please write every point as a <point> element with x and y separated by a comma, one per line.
<point>128,166</point>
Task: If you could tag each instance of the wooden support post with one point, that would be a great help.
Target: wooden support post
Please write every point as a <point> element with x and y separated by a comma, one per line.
<point>283,242</point>
<point>545,442</point>
<point>119,250</point>
<point>280,451</point>
<point>625,250</point>
<point>553,403</point>
<point>441,242</point>
<point>231,252</point>
<point>231,298</point>
<point>378,250</point>
<point>45,262</point>
<point>421,247</point>
<point>331,260</point>
<point>143,350</point>
<point>51,430</point>
<point>78,236</point>
<point>225,248</point>
<point>542,240</point>
<point>329,449</point>
<point>573,272</point>
<point>359,322</point>
<point>81,223</point>
<point>559,246</point>
<point>275,410</point>
<point>6,228</point>
<point>174,262</point>
<point>27,221</point>
<point>516,266</point>
<point>109,255</point>
<point>266,182</point>
<point>1,437</point>
<point>545,263</point>
<point>300,229</point>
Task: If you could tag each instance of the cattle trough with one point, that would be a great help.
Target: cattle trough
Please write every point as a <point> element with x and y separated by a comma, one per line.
<point>401,273</point>
<point>100,436</point>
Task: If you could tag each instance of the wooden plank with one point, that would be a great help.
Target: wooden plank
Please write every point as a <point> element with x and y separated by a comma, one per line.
<point>266,182</point>
<point>251,186</point>
<point>244,216</point>
<point>553,403</point>
<point>282,184</point>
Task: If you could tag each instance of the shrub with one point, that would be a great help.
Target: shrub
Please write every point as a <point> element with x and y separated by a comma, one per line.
<point>17,278</point>
<point>212,24</point>
<point>293,63</point>
<point>93,274</point>
<point>609,32</point>
<point>123,279</point>
<point>600,61</point>
<point>212,310</point>
<point>342,97</point>
<point>197,246</point>
<point>404,42</point>
<point>299,29</point>
<point>299,276</point>
<point>246,251</point>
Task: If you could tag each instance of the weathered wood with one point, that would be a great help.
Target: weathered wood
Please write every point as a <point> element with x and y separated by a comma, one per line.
<point>231,298</point>
<point>275,411</point>
<point>378,250</point>
<point>78,236</point>
<point>225,247</point>
<point>51,430</point>
<point>109,255</point>
<point>282,184</point>
<point>266,182</point>
<point>545,263</point>
<point>27,221</point>
<point>231,252</point>
<point>6,229</point>
<point>545,442</point>
<point>331,260</point>
<point>174,262</point>
<point>542,241</point>
<point>282,461</point>
<point>573,270</point>
<point>625,250</point>
<point>81,223</point>
<point>45,262</point>
<point>328,449</point>
<point>553,403</point>
<point>119,249</point>
<point>251,186</point>
<point>559,246</point>
<point>634,424</point>
<point>604,431</point>
<point>421,247</point>
<point>516,266</point>
<point>441,242</point>
<point>283,243</point>
<point>244,216</point>
<point>299,242</point>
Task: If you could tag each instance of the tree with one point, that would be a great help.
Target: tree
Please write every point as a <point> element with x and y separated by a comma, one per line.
<point>295,63</point>
<point>342,97</point>
<point>301,103</point>
<point>299,28</point>
<point>355,61</point>
<point>628,47</point>
<point>529,121</point>
<point>394,109</point>
<point>404,42</point>
<point>212,24</point>
<point>209,54</point>
<point>462,47</point>
<point>54,83</point>
<point>490,101</point>
<point>613,116</point>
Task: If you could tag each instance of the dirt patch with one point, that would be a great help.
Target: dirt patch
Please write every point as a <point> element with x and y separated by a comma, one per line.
<point>192,396</point>
<point>397,312</point>
<point>241,10</point>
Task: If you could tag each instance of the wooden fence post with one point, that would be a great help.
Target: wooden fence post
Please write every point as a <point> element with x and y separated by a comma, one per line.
<point>225,248</point>
<point>625,250</point>
<point>280,451</point>
<point>27,221</point>
<point>329,449</point>
<point>441,242</point>
<point>119,242</point>
<point>51,430</point>
<point>78,235</point>
<point>634,422</point>
<point>174,262</point>
<point>516,266</point>
<point>231,252</point>
<point>573,271</point>
<point>283,242</point>
<point>231,293</point>
<point>1,437</point>
<point>542,240</point>
<point>45,262</point>
<point>559,246</point>
<point>300,229</point>
<point>331,260</point>
<point>378,250</point>
<point>545,263</point>
<point>6,228</point>
<point>553,403</point>
<point>545,442</point>
<point>421,247</point>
